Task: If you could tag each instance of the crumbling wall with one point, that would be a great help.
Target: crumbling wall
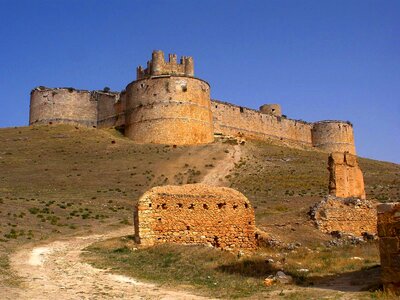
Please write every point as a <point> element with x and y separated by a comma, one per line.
<point>350,215</point>
<point>170,110</point>
<point>389,245</point>
<point>346,179</point>
<point>62,105</point>
<point>195,214</point>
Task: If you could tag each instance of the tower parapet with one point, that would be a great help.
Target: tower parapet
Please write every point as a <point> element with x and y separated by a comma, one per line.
<point>271,109</point>
<point>157,66</point>
<point>167,105</point>
<point>333,136</point>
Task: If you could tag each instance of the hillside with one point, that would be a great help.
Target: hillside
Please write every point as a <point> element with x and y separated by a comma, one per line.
<point>59,181</point>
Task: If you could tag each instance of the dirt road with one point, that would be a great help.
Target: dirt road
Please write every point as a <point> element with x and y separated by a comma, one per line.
<point>55,271</point>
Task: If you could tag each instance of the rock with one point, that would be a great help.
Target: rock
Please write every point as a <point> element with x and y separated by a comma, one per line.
<point>357,258</point>
<point>303,270</point>
<point>283,278</point>
<point>269,261</point>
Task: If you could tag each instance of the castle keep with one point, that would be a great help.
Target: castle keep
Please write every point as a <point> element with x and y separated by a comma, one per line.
<point>166,104</point>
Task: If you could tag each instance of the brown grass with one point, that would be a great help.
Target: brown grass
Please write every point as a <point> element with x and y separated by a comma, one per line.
<point>61,180</point>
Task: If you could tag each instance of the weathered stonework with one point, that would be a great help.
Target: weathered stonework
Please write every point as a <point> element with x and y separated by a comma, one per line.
<point>389,245</point>
<point>63,105</point>
<point>346,179</point>
<point>195,214</point>
<point>168,105</point>
<point>271,109</point>
<point>169,109</point>
<point>333,136</point>
<point>349,215</point>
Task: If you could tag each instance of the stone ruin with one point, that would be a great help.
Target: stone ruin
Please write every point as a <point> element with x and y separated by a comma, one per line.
<point>346,209</point>
<point>195,214</point>
<point>389,245</point>
<point>347,215</point>
<point>345,176</point>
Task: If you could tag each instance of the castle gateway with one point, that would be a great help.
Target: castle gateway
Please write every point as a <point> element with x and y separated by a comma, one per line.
<point>167,104</point>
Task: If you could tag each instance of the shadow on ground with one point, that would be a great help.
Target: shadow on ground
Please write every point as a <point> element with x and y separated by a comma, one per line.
<point>356,281</point>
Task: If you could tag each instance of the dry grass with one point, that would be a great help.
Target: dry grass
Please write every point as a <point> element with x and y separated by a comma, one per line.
<point>61,180</point>
<point>221,274</point>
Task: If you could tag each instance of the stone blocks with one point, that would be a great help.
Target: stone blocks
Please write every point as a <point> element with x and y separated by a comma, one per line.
<point>195,214</point>
<point>352,215</point>
<point>389,245</point>
<point>346,179</point>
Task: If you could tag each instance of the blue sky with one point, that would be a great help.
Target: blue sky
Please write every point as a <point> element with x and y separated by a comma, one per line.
<point>318,59</point>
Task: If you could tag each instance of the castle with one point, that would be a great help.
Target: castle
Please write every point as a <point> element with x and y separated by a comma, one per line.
<point>167,104</point>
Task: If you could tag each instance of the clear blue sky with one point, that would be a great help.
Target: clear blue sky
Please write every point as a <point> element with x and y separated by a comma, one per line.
<point>318,59</point>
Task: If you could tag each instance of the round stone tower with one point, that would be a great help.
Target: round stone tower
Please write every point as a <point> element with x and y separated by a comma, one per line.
<point>271,109</point>
<point>167,105</point>
<point>333,136</point>
<point>62,105</point>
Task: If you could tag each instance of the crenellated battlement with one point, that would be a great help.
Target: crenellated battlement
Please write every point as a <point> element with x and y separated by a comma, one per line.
<point>158,66</point>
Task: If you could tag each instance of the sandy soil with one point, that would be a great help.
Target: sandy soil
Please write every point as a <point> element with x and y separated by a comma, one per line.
<point>55,271</point>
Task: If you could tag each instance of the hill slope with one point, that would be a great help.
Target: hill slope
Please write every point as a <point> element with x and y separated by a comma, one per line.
<point>57,181</point>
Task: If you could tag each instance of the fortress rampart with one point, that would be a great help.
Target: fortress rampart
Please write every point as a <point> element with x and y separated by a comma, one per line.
<point>63,105</point>
<point>168,105</point>
<point>235,120</point>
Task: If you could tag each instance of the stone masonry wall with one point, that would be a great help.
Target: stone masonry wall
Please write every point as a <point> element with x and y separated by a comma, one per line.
<point>389,245</point>
<point>106,108</point>
<point>62,105</point>
<point>230,119</point>
<point>333,136</point>
<point>171,110</point>
<point>352,216</point>
<point>168,105</point>
<point>346,179</point>
<point>195,214</point>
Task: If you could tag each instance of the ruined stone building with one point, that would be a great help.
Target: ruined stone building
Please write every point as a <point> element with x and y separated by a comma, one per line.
<point>346,208</point>
<point>195,214</point>
<point>167,104</point>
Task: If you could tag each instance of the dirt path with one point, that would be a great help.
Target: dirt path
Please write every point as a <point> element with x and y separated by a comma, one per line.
<point>55,271</point>
<point>216,176</point>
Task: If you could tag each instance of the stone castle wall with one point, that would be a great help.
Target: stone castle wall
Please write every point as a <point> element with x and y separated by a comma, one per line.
<point>195,214</point>
<point>389,245</point>
<point>233,120</point>
<point>111,109</point>
<point>168,105</point>
<point>63,105</point>
<point>169,109</point>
